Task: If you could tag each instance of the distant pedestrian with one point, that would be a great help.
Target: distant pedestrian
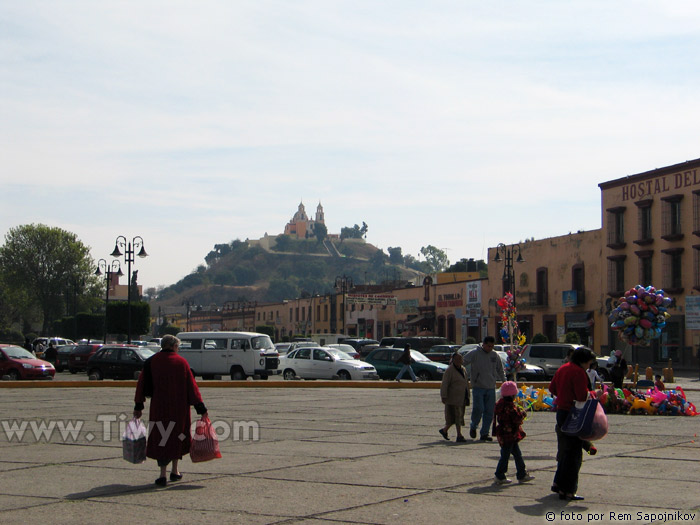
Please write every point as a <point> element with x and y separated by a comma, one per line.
<point>454,392</point>
<point>51,352</point>
<point>593,375</point>
<point>619,370</point>
<point>168,381</point>
<point>486,369</point>
<point>658,383</point>
<point>509,432</point>
<point>406,360</point>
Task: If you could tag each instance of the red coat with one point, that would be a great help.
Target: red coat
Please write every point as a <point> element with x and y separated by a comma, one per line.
<point>172,390</point>
<point>570,383</point>
<point>509,420</point>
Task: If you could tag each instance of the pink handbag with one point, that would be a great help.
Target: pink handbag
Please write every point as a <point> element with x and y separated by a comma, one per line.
<point>204,445</point>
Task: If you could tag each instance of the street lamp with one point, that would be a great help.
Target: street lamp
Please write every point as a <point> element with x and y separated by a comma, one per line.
<point>343,284</point>
<point>129,250</point>
<point>108,270</point>
<point>508,271</point>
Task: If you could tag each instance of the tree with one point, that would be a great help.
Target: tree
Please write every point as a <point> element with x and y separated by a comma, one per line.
<point>395,255</point>
<point>436,259</point>
<point>43,262</point>
<point>320,231</point>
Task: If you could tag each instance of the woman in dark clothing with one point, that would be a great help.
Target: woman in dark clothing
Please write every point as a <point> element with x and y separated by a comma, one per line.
<point>168,381</point>
<point>570,384</point>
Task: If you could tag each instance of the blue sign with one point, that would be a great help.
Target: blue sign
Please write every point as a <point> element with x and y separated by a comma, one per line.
<point>569,298</point>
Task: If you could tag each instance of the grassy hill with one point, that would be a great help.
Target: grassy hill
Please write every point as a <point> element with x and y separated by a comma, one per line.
<point>269,271</point>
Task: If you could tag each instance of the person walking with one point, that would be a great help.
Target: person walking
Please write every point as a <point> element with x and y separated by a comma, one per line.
<point>51,353</point>
<point>406,360</point>
<point>168,381</point>
<point>593,376</point>
<point>486,369</point>
<point>570,384</point>
<point>619,370</point>
<point>454,392</point>
<point>509,432</point>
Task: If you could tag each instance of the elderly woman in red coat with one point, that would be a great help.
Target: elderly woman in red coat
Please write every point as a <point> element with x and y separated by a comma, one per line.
<point>168,381</point>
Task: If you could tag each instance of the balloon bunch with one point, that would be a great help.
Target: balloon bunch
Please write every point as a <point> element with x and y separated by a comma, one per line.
<point>510,333</point>
<point>640,315</point>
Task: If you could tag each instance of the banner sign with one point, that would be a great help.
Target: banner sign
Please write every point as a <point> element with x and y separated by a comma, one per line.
<point>370,298</point>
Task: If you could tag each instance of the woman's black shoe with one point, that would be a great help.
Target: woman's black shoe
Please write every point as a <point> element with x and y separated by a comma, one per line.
<point>175,477</point>
<point>570,497</point>
<point>161,482</point>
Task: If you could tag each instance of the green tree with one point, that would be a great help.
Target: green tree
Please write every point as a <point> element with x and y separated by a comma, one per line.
<point>320,231</point>
<point>539,338</point>
<point>572,338</point>
<point>395,255</point>
<point>42,262</point>
<point>436,259</point>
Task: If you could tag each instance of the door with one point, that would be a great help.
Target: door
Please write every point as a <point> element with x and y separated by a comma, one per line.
<point>242,355</point>
<point>129,363</point>
<point>322,364</point>
<point>302,363</point>
<point>215,356</point>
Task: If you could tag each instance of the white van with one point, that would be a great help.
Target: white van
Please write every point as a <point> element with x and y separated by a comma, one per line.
<point>238,354</point>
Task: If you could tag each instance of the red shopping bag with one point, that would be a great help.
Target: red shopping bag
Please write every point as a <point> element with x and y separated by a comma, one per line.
<point>205,445</point>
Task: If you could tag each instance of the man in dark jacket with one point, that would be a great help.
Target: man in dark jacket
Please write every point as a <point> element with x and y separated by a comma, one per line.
<point>406,360</point>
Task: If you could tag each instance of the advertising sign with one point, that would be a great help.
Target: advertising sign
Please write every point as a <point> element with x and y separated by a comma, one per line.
<point>371,298</point>
<point>692,312</point>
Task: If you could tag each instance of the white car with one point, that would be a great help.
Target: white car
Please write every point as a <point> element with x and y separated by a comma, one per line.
<point>324,363</point>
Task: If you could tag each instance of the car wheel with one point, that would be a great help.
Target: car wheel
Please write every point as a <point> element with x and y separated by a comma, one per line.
<point>344,375</point>
<point>237,374</point>
<point>96,373</point>
<point>521,377</point>
<point>424,375</point>
<point>289,374</point>
<point>14,374</point>
<point>59,369</point>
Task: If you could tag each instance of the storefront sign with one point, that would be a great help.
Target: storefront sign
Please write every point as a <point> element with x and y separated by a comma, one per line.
<point>647,188</point>
<point>692,312</point>
<point>370,298</point>
<point>450,299</point>
<point>474,295</point>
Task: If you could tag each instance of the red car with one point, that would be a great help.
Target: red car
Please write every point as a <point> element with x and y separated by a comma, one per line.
<point>18,363</point>
<point>78,358</point>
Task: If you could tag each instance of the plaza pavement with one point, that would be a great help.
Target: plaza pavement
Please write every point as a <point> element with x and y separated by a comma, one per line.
<point>335,455</point>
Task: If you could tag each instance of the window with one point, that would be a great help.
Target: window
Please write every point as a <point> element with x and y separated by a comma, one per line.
<point>645,276</point>
<point>616,227</point>
<point>578,283</point>
<point>303,353</point>
<point>541,295</point>
<point>325,312</point>
<point>616,274</point>
<point>644,222</point>
<point>672,270</point>
<point>671,218</point>
<point>696,267</point>
<point>696,212</point>
<point>320,355</point>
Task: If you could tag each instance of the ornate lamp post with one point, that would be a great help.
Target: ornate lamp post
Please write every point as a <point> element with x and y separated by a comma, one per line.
<point>108,270</point>
<point>343,284</point>
<point>507,253</point>
<point>129,250</point>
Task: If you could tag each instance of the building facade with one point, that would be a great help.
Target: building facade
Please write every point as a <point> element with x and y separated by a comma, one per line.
<point>651,229</point>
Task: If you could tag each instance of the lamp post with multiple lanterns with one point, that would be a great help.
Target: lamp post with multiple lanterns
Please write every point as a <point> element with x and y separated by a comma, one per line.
<point>109,269</point>
<point>507,253</point>
<point>129,251</point>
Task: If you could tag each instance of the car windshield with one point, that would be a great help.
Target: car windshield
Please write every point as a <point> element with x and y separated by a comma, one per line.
<point>262,342</point>
<point>17,352</point>
<point>417,356</point>
<point>339,354</point>
<point>144,352</point>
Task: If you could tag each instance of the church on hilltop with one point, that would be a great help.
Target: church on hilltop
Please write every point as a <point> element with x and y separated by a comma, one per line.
<point>301,226</point>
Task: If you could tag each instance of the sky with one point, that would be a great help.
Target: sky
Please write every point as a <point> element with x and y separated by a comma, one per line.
<point>459,124</point>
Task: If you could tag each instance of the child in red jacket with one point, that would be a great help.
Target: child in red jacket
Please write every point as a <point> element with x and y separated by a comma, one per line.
<point>509,431</point>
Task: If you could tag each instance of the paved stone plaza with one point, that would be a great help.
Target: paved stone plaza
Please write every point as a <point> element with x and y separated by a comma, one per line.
<point>332,455</point>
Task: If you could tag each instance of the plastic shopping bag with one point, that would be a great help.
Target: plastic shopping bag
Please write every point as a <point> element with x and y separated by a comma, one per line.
<point>134,442</point>
<point>599,425</point>
<point>579,422</point>
<point>205,445</point>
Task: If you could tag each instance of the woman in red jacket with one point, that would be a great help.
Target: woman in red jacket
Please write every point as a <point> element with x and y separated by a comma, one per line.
<point>569,384</point>
<point>168,381</point>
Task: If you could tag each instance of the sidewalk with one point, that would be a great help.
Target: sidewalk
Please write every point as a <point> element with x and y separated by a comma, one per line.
<point>335,455</point>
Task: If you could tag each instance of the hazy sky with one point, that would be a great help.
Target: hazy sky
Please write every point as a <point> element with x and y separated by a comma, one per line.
<point>460,124</point>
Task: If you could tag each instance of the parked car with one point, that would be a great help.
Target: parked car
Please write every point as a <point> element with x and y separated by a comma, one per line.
<point>551,356</point>
<point>282,348</point>
<point>441,353</point>
<point>78,358</point>
<point>57,341</point>
<point>385,360</point>
<point>359,343</point>
<point>118,361</point>
<point>366,350</point>
<point>420,343</point>
<point>324,363</point>
<point>345,348</point>
<point>19,363</point>
<point>63,357</point>
<point>529,373</point>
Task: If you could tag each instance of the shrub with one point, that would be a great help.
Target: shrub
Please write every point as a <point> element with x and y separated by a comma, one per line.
<point>539,338</point>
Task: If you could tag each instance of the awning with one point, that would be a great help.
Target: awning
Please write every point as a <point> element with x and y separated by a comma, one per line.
<point>416,320</point>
